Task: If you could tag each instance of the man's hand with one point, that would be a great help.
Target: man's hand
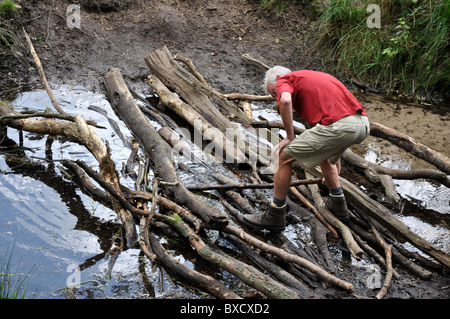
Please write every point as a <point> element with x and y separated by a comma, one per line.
<point>279,147</point>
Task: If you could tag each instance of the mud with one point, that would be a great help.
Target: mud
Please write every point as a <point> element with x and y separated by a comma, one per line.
<point>214,35</point>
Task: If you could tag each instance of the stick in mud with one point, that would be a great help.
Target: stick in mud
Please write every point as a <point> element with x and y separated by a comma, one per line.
<point>251,186</point>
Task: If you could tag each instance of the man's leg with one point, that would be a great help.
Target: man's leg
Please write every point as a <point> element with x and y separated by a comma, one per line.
<point>282,179</point>
<point>331,173</point>
<point>336,201</point>
<point>274,218</point>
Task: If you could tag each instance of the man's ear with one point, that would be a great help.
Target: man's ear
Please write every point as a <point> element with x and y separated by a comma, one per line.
<point>278,76</point>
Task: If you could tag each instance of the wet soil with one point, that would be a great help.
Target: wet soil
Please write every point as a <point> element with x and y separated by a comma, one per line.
<point>214,35</point>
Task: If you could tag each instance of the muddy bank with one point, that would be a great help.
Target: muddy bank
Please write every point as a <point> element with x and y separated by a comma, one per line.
<point>212,33</point>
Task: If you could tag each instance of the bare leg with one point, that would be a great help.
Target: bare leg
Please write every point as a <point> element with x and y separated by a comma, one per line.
<point>282,177</point>
<point>331,173</point>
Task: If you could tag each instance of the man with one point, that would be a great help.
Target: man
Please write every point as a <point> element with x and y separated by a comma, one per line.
<point>338,121</point>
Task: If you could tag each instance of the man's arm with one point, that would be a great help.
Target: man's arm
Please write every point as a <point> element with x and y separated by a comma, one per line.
<point>286,112</point>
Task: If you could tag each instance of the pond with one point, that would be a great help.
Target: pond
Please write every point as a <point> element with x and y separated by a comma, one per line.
<point>52,235</point>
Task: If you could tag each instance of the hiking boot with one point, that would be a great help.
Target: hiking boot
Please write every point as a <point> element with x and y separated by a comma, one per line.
<point>273,219</point>
<point>337,205</point>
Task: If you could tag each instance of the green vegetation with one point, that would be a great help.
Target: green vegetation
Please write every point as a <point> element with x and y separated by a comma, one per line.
<point>8,8</point>
<point>408,52</point>
<point>13,285</point>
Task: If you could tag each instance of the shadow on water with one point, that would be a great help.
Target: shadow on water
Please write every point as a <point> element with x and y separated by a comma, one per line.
<point>64,233</point>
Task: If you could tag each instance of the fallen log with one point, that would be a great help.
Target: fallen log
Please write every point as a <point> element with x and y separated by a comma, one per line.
<point>371,170</point>
<point>321,273</point>
<point>223,147</point>
<point>345,232</point>
<point>246,273</point>
<point>385,217</point>
<point>41,72</point>
<point>122,100</point>
<point>412,146</point>
<point>170,72</point>
<point>390,271</point>
<point>251,186</point>
<point>81,132</point>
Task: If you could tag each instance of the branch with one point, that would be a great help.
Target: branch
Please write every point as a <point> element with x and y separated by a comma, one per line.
<point>251,186</point>
<point>37,61</point>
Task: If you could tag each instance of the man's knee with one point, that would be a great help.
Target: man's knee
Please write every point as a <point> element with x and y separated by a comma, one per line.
<point>285,159</point>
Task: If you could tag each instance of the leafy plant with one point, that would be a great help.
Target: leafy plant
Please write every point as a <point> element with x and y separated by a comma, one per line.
<point>8,8</point>
<point>408,53</point>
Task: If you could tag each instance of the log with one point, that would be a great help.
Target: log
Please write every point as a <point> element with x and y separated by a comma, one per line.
<point>347,237</point>
<point>123,101</point>
<point>41,72</point>
<point>230,186</point>
<point>159,253</point>
<point>412,146</point>
<point>223,147</point>
<point>85,135</point>
<point>385,217</point>
<point>372,169</point>
<point>321,273</point>
<point>248,274</point>
<point>276,271</point>
<point>162,65</point>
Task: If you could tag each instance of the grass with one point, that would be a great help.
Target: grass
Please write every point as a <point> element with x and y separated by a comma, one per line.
<point>8,8</point>
<point>13,285</point>
<point>408,53</point>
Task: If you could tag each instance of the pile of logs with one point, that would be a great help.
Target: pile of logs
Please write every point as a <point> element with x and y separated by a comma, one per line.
<point>272,265</point>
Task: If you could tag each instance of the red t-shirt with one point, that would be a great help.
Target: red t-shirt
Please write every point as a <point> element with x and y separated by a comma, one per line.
<point>318,97</point>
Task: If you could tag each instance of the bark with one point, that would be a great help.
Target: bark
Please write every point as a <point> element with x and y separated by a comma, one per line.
<point>81,132</point>
<point>248,274</point>
<point>223,147</point>
<point>412,146</point>
<point>122,100</point>
<point>385,217</point>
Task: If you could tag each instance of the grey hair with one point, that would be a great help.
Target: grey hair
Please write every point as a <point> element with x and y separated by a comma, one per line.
<point>271,75</point>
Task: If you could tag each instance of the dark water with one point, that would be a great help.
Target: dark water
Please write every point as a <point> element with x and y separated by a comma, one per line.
<point>50,228</point>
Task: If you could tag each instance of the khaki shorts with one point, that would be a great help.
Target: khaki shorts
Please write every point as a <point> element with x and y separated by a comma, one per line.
<point>328,141</point>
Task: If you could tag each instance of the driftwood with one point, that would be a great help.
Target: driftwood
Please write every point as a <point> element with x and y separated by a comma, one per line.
<point>41,72</point>
<point>170,72</point>
<point>82,133</point>
<point>280,268</point>
<point>251,186</point>
<point>158,149</point>
<point>412,146</point>
<point>207,131</point>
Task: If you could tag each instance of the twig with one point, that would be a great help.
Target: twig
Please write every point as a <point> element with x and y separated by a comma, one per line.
<point>47,115</point>
<point>37,61</point>
<point>388,252</point>
<point>251,186</point>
